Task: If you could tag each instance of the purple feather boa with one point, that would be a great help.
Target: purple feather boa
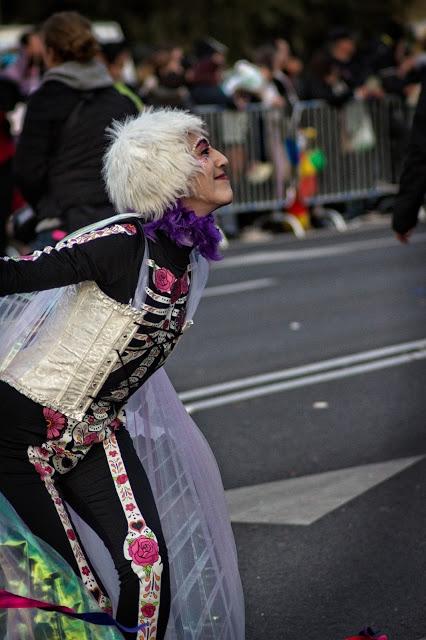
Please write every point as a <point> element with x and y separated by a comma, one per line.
<point>186,229</point>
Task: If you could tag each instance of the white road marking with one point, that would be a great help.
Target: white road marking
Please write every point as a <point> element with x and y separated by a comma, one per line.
<point>302,501</point>
<point>320,404</point>
<point>290,255</point>
<point>295,326</point>
<point>304,381</point>
<point>237,287</point>
<point>285,374</point>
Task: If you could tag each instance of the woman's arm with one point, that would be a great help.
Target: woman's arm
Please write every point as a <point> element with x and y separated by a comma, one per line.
<point>111,257</point>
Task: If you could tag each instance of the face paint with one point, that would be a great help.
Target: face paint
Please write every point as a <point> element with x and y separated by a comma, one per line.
<point>210,188</point>
<point>201,150</point>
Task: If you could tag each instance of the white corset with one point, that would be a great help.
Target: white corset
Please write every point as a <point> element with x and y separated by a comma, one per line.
<point>75,351</point>
<point>58,347</point>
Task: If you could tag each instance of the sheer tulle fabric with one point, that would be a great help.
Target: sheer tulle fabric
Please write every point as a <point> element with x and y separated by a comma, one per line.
<point>207,600</point>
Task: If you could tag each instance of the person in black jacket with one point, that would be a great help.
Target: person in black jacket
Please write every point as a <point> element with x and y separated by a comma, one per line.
<point>9,96</point>
<point>412,187</point>
<point>59,155</point>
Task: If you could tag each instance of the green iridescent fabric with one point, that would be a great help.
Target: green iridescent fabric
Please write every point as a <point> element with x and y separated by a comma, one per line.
<point>30,567</point>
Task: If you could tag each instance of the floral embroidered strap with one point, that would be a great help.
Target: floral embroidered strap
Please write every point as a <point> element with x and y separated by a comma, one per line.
<point>140,545</point>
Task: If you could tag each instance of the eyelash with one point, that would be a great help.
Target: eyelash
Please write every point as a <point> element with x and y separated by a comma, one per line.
<point>206,151</point>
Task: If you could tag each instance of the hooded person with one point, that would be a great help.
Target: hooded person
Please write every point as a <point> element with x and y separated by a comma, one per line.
<point>59,155</point>
<point>123,485</point>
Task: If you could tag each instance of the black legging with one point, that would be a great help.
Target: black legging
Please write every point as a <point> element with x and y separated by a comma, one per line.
<point>88,489</point>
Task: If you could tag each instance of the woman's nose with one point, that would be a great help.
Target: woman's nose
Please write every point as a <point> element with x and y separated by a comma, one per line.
<point>220,160</point>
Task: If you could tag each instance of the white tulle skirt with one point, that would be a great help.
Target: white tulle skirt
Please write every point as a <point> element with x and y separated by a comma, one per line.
<point>207,599</point>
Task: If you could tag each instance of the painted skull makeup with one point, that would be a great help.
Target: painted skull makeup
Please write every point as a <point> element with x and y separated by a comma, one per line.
<point>201,150</point>
<point>211,187</point>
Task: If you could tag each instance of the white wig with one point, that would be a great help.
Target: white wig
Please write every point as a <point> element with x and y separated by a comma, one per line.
<point>149,164</point>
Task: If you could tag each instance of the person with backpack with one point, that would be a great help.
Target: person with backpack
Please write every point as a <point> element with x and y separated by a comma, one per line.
<point>9,96</point>
<point>59,153</point>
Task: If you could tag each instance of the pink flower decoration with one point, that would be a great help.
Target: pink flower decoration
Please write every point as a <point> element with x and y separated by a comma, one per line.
<point>70,534</point>
<point>56,422</point>
<point>57,235</point>
<point>130,228</point>
<point>164,279</point>
<point>85,571</point>
<point>43,471</point>
<point>144,551</point>
<point>130,507</point>
<point>115,424</point>
<point>59,450</point>
<point>91,438</point>
<point>148,610</point>
<point>112,454</point>
<point>122,478</point>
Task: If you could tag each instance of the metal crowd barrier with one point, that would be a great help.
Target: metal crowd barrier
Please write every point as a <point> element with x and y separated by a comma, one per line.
<point>355,142</point>
<point>253,142</point>
<point>357,147</point>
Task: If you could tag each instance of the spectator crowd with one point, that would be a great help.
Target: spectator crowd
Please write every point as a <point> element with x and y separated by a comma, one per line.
<point>60,90</point>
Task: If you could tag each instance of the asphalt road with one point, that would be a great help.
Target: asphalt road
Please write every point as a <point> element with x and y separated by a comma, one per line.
<point>321,554</point>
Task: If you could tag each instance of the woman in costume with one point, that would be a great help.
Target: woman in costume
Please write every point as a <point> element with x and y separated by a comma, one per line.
<point>95,448</point>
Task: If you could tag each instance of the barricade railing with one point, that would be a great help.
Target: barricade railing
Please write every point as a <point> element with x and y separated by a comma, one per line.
<point>252,140</point>
<point>356,144</point>
<point>269,152</point>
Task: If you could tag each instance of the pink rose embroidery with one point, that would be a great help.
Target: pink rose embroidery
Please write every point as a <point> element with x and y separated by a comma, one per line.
<point>112,454</point>
<point>144,551</point>
<point>115,424</point>
<point>85,571</point>
<point>43,471</point>
<point>130,507</point>
<point>70,534</point>
<point>58,450</point>
<point>122,478</point>
<point>130,228</point>
<point>164,279</point>
<point>56,422</point>
<point>148,610</point>
<point>91,438</point>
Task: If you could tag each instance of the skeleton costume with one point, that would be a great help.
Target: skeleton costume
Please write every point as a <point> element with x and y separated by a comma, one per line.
<point>103,475</point>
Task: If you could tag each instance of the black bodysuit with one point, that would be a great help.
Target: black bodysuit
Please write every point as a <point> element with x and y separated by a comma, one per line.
<point>77,468</point>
